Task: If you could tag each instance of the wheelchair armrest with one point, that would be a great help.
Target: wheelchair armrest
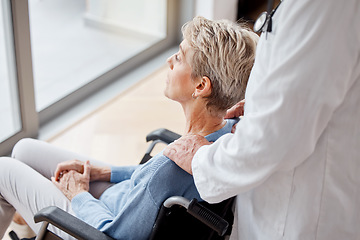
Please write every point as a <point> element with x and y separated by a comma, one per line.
<point>162,134</point>
<point>69,224</point>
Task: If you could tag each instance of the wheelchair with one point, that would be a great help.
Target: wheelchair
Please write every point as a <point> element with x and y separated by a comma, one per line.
<point>178,218</point>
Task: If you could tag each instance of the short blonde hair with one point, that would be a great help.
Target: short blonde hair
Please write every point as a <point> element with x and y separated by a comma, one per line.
<point>224,52</point>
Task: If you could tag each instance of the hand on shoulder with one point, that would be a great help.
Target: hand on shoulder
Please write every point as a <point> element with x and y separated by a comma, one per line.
<point>236,111</point>
<point>183,150</point>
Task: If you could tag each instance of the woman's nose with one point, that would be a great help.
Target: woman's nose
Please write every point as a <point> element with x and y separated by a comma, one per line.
<point>170,62</point>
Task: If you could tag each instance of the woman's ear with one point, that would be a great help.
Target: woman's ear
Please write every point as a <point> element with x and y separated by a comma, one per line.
<point>203,87</point>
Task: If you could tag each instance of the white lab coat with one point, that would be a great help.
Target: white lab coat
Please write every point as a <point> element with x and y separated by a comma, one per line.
<point>294,160</point>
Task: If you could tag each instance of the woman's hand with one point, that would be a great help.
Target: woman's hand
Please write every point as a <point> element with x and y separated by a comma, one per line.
<point>72,182</point>
<point>64,167</point>
<point>183,150</point>
<point>236,111</point>
<point>96,173</point>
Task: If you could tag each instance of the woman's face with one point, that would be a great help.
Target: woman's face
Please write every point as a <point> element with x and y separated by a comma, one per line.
<point>179,86</point>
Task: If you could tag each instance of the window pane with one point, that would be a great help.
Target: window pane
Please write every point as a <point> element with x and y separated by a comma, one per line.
<point>75,41</point>
<point>10,122</point>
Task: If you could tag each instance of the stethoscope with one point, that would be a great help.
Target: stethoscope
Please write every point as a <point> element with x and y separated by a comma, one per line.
<point>264,22</point>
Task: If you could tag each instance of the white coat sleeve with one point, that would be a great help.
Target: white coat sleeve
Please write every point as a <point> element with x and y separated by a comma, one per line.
<point>302,73</point>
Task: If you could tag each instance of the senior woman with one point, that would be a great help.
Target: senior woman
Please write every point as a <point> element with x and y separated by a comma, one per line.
<point>206,76</point>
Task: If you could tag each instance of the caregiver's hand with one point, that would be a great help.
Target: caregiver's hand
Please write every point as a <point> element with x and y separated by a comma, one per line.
<point>236,111</point>
<point>72,182</point>
<point>183,150</point>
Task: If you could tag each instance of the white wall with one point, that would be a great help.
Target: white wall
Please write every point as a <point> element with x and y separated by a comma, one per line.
<point>141,16</point>
<point>217,9</point>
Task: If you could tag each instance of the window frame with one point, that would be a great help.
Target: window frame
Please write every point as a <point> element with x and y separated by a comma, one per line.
<point>105,79</point>
<point>24,75</point>
<point>31,120</point>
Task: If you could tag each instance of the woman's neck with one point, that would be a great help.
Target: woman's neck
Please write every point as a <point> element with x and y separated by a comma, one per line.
<point>200,121</point>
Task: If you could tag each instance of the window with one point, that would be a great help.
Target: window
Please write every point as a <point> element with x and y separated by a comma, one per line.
<point>10,121</point>
<point>18,117</point>
<point>75,42</point>
<point>76,48</point>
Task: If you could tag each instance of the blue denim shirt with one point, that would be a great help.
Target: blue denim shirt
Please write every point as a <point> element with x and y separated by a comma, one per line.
<point>128,209</point>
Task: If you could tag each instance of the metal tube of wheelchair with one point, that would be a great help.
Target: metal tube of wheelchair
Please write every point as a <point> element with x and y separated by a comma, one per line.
<point>176,200</point>
<point>42,231</point>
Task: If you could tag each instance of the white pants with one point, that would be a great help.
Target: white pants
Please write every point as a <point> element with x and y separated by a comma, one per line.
<point>25,184</point>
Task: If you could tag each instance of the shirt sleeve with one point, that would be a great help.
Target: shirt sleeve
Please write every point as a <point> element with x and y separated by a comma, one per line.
<point>91,210</point>
<point>121,173</point>
<point>139,211</point>
<point>302,73</point>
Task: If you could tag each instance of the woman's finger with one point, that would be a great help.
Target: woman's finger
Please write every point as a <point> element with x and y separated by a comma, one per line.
<point>236,111</point>
<point>87,169</point>
<point>63,167</point>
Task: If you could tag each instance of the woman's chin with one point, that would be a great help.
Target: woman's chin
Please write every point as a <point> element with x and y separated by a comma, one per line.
<point>166,93</point>
<point>168,96</point>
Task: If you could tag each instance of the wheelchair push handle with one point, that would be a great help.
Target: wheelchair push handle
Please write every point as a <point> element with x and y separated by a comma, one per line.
<point>200,212</point>
<point>208,217</point>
